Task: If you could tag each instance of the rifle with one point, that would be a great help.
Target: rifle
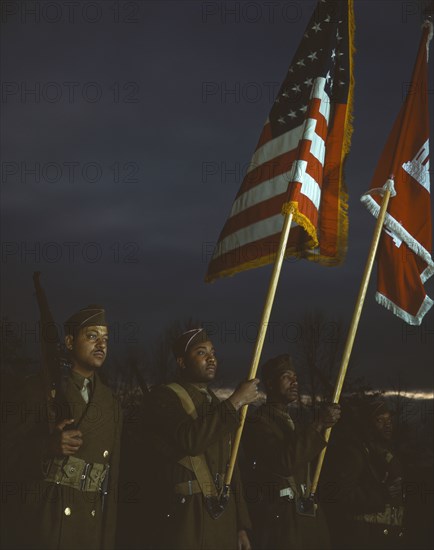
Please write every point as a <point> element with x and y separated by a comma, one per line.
<point>53,352</point>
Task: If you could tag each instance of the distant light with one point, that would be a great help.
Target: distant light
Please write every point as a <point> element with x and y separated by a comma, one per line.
<point>224,393</point>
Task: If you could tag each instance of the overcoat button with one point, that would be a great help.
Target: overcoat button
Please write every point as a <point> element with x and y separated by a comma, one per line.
<point>93,513</point>
<point>67,511</point>
<point>105,454</point>
<point>386,531</point>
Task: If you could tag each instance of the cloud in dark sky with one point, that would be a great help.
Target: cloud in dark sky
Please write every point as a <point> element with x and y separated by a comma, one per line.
<point>184,95</point>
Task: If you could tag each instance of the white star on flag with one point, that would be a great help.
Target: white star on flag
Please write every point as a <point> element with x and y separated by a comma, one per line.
<point>298,162</point>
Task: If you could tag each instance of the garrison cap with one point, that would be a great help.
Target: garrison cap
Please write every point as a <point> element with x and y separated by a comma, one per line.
<point>92,315</point>
<point>188,339</point>
<point>276,366</point>
<point>377,407</point>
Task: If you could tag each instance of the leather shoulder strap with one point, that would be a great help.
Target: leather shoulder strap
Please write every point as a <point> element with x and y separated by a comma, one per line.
<point>184,397</point>
<point>197,464</point>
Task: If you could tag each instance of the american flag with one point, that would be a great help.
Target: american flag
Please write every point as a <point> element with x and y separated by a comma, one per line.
<point>298,162</point>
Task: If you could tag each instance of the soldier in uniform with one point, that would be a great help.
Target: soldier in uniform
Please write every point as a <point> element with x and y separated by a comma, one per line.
<point>362,485</point>
<point>280,453</point>
<point>62,458</point>
<point>193,432</point>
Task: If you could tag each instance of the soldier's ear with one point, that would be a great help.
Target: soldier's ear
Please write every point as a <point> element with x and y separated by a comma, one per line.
<point>180,362</point>
<point>68,341</point>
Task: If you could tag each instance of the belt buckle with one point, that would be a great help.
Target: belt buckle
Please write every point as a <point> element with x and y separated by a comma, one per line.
<point>287,492</point>
<point>190,487</point>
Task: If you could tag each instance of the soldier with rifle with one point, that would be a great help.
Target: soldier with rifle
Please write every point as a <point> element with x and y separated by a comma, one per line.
<point>63,441</point>
<point>191,432</point>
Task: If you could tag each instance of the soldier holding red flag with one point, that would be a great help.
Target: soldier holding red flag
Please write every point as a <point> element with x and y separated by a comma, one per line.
<point>281,452</point>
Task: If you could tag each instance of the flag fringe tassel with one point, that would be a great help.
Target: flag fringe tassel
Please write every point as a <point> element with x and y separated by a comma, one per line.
<point>402,314</point>
<point>260,262</point>
<point>404,235</point>
<point>342,237</point>
<point>309,252</point>
<point>342,229</point>
<point>303,221</point>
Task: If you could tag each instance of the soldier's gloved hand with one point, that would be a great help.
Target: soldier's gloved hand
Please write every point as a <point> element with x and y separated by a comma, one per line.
<point>64,442</point>
<point>246,393</point>
<point>329,414</point>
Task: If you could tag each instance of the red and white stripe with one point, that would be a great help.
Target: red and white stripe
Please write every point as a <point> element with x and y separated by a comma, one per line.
<point>294,157</point>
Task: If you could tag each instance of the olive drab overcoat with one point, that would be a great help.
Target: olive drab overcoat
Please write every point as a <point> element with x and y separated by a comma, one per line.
<point>280,454</point>
<point>56,503</point>
<point>183,521</point>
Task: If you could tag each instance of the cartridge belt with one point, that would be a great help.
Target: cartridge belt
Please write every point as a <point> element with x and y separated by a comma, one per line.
<point>77,473</point>
<point>186,488</point>
<point>392,515</point>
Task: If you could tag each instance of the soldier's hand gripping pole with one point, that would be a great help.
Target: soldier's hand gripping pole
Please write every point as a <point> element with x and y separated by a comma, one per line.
<point>259,344</point>
<point>387,191</point>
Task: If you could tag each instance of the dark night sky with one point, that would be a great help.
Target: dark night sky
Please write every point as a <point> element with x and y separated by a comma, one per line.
<point>133,131</point>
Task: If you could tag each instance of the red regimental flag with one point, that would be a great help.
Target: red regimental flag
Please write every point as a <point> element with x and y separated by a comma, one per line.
<point>298,163</point>
<point>404,260</point>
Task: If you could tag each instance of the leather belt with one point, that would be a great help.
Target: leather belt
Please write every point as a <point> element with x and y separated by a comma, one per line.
<point>187,488</point>
<point>392,516</point>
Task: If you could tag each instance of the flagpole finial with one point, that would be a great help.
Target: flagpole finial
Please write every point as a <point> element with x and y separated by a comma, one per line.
<point>390,186</point>
<point>428,23</point>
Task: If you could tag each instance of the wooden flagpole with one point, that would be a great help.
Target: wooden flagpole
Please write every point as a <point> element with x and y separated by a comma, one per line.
<point>354,324</point>
<point>260,339</point>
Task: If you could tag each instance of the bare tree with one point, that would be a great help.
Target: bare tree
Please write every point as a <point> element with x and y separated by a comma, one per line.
<point>319,353</point>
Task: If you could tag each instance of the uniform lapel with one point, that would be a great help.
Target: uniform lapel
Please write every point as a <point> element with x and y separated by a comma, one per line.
<point>76,403</point>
